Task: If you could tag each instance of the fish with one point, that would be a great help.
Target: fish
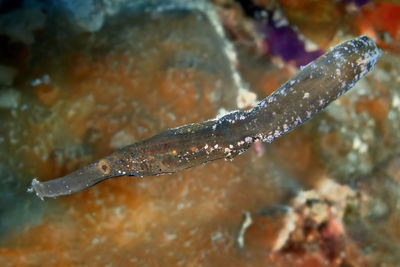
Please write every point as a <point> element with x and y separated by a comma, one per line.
<point>304,95</point>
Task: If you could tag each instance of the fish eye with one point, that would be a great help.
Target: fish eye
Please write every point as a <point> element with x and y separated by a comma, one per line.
<point>104,166</point>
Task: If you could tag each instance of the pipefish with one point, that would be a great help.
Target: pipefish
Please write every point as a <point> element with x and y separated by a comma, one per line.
<point>300,98</point>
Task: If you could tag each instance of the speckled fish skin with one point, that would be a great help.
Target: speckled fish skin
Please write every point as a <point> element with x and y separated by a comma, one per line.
<point>299,99</point>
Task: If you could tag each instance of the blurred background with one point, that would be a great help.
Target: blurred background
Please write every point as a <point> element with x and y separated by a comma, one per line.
<point>80,79</point>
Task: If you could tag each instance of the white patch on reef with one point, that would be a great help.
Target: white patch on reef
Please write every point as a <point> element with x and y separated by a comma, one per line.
<point>359,145</point>
<point>45,79</point>
<point>310,46</point>
<point>289,225</point>
<point>306,95</point>
<point>396,102</point>
<point>121,139</point>
<point>9,98</point>
<point>246,223</point>
<point>279,18</point>
<point>246,99</point>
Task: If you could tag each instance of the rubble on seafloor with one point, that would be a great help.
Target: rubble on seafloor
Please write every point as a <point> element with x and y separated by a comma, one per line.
<point>79,81</point>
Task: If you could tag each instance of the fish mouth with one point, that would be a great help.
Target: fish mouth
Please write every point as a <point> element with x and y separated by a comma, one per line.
<point>70,183</point>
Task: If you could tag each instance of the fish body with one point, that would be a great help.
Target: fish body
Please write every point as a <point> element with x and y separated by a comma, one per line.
<point>307,93</point>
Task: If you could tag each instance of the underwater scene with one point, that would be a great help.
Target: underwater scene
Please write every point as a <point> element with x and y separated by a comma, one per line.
<point>200,133</point>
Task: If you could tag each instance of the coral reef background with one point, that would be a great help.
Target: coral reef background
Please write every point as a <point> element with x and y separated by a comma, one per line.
<point>79,79</point>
